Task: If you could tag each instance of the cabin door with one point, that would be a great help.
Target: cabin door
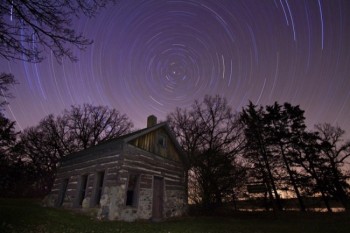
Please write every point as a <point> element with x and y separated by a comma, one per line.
<point>158,198</point>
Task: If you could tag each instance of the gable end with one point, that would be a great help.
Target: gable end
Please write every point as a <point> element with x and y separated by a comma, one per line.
<point>158,142</point>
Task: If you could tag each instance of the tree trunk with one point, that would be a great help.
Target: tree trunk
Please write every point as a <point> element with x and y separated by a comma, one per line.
<point>326,202</point>
<point>234,201</point>
<point>295,187</point>
<point>186,187</point>
<point>312,171</point>
<point>277,200</point>
<point>277,205</point>
<point>341,194</point>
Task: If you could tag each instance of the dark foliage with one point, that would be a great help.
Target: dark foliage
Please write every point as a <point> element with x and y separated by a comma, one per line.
<point>6,81</point>
<point>10,167</point>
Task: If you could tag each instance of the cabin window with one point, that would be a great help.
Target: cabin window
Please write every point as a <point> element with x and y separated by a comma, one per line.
<point>132,191</point>
<point>98,188</point>
<point>82,189</point>
<point>63,191</point>
<point>162,140</point>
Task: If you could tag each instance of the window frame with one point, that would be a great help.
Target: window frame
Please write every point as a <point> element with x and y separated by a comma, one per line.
<point>63,191</point>
<point>162,140</point>
<point>98,188</point>
<point>136,190</point>
<point>82,189</point>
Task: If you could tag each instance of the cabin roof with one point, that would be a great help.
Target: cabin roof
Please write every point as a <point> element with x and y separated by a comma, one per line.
<point>133,135</point>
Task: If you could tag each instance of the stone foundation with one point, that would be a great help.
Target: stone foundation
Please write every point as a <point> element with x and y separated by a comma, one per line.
<point>145,203</point>
<point>113,205</point>
<point>175,205</point>
<point>112,202</point>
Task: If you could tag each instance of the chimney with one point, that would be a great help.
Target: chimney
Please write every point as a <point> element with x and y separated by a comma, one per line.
<point>151,121</point>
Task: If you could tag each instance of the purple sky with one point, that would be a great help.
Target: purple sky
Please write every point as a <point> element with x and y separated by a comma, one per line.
<point>150,57</point>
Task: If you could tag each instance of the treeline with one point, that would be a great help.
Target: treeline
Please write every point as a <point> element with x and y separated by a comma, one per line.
<point>266,145</point>
<point>28,159</point>
<point>284,155</point>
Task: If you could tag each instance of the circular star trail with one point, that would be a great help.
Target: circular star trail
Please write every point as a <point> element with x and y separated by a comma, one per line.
<point>149,57</point>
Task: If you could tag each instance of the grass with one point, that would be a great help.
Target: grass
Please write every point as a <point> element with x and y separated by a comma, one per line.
<point>27,216</point>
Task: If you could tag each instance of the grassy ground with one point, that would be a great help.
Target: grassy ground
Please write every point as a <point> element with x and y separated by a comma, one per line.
<point>28,216</point>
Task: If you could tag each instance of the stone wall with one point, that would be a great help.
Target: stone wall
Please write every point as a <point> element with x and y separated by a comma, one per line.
<point>145,204</point>
<point>112,204</point>
<point>175,205</point>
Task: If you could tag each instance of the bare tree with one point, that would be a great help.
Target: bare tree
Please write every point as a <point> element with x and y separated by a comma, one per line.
<point>78,128</point>
<point>188,133</point>
<point>307,154</point>
<point>336,152</point>
<point>39,149</point>
<point>89,125</point>
<point>27,28</point>
<point>212,137</point>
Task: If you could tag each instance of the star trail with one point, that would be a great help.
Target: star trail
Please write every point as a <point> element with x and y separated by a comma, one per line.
<point>149,57</point>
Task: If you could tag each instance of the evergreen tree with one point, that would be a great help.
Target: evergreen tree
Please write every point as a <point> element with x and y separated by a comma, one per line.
<point>258,151</point>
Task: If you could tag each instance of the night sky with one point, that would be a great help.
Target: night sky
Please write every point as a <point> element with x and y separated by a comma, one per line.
<point>149,57</point>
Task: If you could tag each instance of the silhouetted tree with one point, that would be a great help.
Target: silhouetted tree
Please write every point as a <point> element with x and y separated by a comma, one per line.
<point>6,81</point>
<point>88,125</point>
<point>336,152</point>
<point>78,128</point>
<point>212,137</point>
<point>284,127</point>
<point>258,151</point>
<point>285,156</point>
<point>9,164</point>
<point>28,28</point>
<point>189,133</point>
<point>7,137</point>
<point>313,165</point>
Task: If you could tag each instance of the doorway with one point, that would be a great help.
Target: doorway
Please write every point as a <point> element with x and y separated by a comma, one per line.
<point>158,198</point>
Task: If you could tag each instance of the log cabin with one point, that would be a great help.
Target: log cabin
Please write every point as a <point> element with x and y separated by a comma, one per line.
<point>136,176</point>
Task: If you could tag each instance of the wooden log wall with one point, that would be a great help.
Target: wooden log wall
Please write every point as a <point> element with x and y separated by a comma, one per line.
<point>143,162</point>
<point>73,169</point>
